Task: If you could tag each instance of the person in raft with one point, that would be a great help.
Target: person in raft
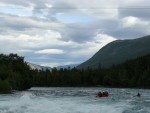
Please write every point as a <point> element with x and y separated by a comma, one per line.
<point>102,94</point>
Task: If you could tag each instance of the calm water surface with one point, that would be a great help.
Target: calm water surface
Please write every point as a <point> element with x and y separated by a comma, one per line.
<point>75,100</point>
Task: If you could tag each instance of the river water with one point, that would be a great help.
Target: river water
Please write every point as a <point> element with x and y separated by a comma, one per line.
<point>75,100</point>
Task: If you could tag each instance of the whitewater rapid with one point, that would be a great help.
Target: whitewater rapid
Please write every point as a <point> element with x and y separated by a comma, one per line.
<point>75,100</point>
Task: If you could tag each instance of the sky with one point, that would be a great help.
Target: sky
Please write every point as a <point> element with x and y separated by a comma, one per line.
<point>62,32</point>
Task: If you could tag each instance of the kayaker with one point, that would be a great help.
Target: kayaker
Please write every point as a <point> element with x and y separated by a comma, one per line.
<point>138,95</point>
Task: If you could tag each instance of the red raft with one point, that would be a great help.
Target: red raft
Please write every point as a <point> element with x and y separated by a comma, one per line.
<point>102,94</point>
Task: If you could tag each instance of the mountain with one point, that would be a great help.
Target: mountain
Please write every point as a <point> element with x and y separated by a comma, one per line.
<point>67,66</point>
<point>38,67</point>
<point>117,52</point>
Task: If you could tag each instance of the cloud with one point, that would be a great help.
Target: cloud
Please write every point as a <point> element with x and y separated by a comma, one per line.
<point>19,23</point>
<point>75,29</point>
<point>133,21</point>
<point>27,41</point>
<point>90,48</point>
<point>50,51</point>
<point>139,9</point>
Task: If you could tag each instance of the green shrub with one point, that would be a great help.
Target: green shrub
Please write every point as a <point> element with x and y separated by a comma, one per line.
<point>5,87</point>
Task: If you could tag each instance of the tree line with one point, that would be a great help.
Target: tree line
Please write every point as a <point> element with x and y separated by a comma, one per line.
<point>15,74</point>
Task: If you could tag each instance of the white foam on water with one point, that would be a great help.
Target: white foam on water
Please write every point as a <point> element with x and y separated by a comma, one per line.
<point>75,100</point>
<point>16,105</point>
<point>29,103</point>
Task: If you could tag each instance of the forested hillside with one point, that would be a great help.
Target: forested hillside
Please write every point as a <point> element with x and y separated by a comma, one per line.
<point>118,52</point>
<point>132,73</point>
<point>15,74</point>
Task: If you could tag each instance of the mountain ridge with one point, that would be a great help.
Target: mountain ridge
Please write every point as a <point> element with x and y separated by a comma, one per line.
<point>118,51</point>
<point>38,67</point>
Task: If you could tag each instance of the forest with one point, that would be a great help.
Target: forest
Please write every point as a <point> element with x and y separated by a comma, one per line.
<point>15,74</point>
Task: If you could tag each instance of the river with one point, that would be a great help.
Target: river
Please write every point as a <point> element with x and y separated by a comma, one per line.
<point>75,100</point>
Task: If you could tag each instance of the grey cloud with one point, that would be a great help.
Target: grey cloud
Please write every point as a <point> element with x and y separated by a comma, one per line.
<point>137,8</point>
<point>83,32</point>
<point>13,22</point>
<point>127,33</point>
<point>60,59</point>
<point>137,12</point>
<point>25,3</point>
<point>18,23</point>
<point>45,18</point>
<point>78,34</point>
<point>57,8</point>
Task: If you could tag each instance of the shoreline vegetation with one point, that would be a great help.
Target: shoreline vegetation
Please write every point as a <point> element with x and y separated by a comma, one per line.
<point>15,74</point>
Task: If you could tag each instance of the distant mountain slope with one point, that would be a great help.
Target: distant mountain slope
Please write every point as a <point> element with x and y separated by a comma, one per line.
<point>38,67</point>
<point>67,66</point>
<point>118,51</point>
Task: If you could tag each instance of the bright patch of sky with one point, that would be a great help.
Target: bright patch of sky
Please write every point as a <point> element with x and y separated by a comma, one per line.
<point>13,10</point>
<point>71,19</point>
